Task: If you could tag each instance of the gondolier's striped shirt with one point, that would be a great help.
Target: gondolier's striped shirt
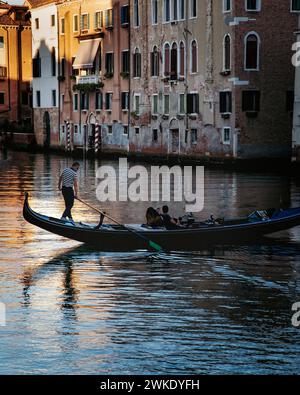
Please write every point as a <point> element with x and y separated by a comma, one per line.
<point>68,178</point>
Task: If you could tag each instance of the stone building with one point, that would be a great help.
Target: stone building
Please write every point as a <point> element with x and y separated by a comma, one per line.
<point>45,71</point>
<point>15,68</point>
<point>296,118</point>
<point>94,73</point>
<point>212,78</point>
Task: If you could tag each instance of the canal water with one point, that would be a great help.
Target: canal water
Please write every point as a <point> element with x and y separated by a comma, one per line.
<point>70,309</point>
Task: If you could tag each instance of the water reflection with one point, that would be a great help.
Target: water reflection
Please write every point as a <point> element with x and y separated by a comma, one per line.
<point>75,310</point>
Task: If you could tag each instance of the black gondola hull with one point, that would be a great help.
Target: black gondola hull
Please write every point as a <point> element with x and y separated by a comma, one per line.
<point>118,239</point>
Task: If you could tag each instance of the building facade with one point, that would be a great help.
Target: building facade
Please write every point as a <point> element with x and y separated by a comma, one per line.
<point>212,78</point>
<point>45,89</point>
<point>15,68</point>
<point>296,118</point>
<point>94,74</point>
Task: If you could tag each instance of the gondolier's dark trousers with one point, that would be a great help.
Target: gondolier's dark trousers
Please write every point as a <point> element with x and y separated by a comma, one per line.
<point>69,196</point>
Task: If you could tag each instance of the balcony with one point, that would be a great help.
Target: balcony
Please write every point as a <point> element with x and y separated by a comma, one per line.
<point>88,79</point>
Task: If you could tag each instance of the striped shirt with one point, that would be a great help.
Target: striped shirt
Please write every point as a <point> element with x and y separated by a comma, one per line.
<point>68,178</point>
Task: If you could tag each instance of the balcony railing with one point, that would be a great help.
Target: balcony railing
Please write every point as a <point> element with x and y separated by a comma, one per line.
<point>3,72</point>
<point>88,79</point>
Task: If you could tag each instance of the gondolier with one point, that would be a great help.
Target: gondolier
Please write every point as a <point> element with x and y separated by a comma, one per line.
<point>68,184</point>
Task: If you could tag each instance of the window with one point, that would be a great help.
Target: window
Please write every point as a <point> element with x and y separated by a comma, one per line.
<point>295,5</point>
<point>75,102</point>
<point>137,64</point>
<point>108,101</point>
<point>193,103</point>
<point>225,102</point>
<point>125,62</point>
<point>252,52</point>
<point>38,98</point>
<point>182,103</point>
<point>109,63</point>
<point>194,136</point>
<point>193,8</point>
<point>194,57</point>
<point>85,101</point>
<point>136,13</point>
<point>137,104</point>
<point>63,67</point>
<point>125,15</point>
<point>174,10</point>
<point>99,101</point>
<point>98,20</point>
<point>181,9</point>
<point>137,130</point>
<point>167,60</point>
<point>75,23</point>
<point>53,98</point>
<point>226,5</point>
<point>52,20</point>
<point>2,98</point>
<point>53,62</point>
<point>154,62</point>
<point>290,97</point>
<point>125,101</point>
<point>252,5</point>
<point>62,26</point>
<point>109,129</point>
<point>251,101</point>
<point>182,59</point>
<point>37,23</point>
<point>227,53</point>
<point>109,18</point>
<point>166,11</point>
<point>155,104</point>
<point>155,135</point>
<point>174,62</point>
<point>1,42</point>
<point>166,104</point>
<point>226,135</point>
<point>154,12</point>
<point>125,130</point>
<point>76,129</point>
<point>36,66</point>
<point>85,22</point>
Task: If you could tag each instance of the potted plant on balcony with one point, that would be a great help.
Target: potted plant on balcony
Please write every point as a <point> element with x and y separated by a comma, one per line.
<point>87,87</point>
<point>134,115</point>
<point>108,75</point>
<point>124,75</point>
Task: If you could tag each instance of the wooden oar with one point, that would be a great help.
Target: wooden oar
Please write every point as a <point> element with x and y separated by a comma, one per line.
<point>148,242</point>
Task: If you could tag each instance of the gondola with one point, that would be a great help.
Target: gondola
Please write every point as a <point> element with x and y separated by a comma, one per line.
<point>196,236</point>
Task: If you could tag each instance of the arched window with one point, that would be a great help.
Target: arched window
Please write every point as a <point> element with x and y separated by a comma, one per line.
<point>194,57</point>
<point>167,59</point>
<point>137,63</point>
<point>182,59</point>
<point>174,62</point>
<point>252,51</point>
<point>155,62</point>
<point>227,53</point>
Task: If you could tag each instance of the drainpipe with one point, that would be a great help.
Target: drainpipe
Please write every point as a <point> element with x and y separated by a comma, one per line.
<point>19,60</point>
<point>129,83</point>
<point>186,35</point>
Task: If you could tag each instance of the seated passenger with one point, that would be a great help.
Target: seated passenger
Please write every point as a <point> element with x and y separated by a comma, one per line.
<point>169,223</point>
<point>153,218</point>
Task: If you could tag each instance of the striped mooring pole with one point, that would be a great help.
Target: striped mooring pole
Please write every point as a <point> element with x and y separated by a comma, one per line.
<point>97,138</point>
<point>68,126</point>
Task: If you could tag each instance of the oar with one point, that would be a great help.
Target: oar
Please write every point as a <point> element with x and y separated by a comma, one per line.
<point>148,242</point>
